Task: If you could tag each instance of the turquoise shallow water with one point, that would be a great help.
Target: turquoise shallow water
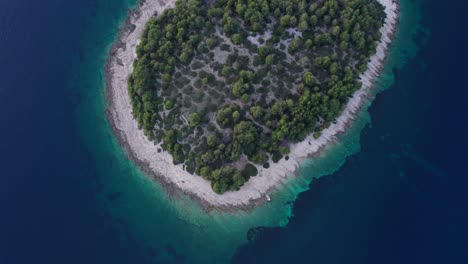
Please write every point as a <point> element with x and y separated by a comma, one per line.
<point>392,190</point>
<point>160,221</point>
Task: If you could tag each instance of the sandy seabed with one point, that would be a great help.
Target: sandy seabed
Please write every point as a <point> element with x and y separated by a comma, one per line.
<point>145,153</point>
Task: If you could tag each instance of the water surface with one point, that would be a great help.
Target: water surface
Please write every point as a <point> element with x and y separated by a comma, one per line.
<point>395,190</point>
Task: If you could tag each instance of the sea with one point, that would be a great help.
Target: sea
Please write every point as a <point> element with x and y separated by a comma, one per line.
<point>393,189</point>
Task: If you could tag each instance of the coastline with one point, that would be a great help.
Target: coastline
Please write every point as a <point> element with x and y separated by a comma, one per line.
<point>159,165</point>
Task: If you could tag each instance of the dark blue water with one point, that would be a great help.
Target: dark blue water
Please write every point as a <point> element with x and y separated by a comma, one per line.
<point>48,214</point>
<point>402,199</point>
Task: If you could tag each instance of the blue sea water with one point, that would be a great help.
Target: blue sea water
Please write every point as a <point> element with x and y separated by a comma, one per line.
<point>69,195</point>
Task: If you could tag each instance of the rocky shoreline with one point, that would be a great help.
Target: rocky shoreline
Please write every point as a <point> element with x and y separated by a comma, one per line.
<point>175,180</point>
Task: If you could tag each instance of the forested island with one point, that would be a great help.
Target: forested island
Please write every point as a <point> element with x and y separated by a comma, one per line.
<point>226,86</point>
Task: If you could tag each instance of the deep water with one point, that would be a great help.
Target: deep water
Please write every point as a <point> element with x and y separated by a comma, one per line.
<point>69,195</point>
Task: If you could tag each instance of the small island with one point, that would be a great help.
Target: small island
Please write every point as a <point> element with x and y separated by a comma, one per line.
<point>223,98</point>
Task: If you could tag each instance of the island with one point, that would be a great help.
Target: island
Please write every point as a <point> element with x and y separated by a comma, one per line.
<point>222,99</point>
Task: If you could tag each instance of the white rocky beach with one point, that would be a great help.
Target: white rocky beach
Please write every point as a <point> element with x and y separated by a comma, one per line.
<point>256,190</point>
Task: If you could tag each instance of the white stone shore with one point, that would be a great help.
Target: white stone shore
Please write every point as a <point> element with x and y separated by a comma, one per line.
<point>254,191</point>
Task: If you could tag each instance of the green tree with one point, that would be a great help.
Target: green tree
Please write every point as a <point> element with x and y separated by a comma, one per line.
<point>256,112</point>
<point>245,134</point>
<point>295,45</point>
<point>284,20</point>
<point>334,68</point>
<point>237,39</point>
<point>226,71</point>
<point>308,79</point>
<point>269,60</point>
<point>245,98</point>
<point>193,119</point>
<point>239,88</point>
<point>303,26</point>
<point>168,104</point>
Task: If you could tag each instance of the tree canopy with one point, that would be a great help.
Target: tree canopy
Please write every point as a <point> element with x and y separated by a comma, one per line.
<point>224,85</point>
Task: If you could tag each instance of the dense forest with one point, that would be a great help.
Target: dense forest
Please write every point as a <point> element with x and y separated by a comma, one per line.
<point>224,85</point>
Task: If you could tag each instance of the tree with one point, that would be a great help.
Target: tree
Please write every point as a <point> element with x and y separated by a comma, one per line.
<point>193,119</point>
<point>305,62</point>
<point>230,26</point>
<point>212,141</point>
<point>239,88</point>
<point>227,116</point>
<point>334,68</point>
<point>264,51</point>
<point>235,116</point>
<point>256,27</point>
<point>303,26</point>
<point>168,104</point>
<point>323,62</point>
<point>269,60</point>
<point>308,79</point>
<point>284,20</point>
<point>226,71</point>
<point>226,178</point>
<point>207,157</point>
<point>280,107</point>
<point>246,75</point>
<point>245,135</point>
<point>210,42</point>
<point>313,20</point>
<point>336,31</point>
<point>245,98</point>
<point>295,45</point>
<point>237,39</point>
<point>256,112</point>
<point>259,158</point>
<point>215,12</point>
<point>292,21</point>
<point>205,172</point>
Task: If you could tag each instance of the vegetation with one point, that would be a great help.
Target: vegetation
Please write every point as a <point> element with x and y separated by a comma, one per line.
<point>226,84</point>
